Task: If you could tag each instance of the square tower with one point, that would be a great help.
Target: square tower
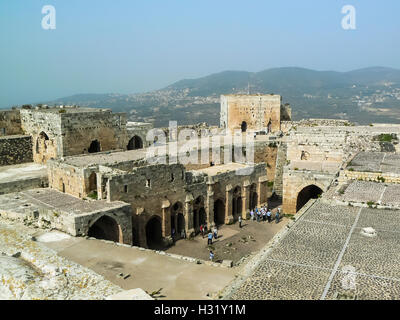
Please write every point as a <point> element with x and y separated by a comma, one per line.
<point>254,112</point>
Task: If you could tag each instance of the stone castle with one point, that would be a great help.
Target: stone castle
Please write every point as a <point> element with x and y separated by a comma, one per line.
<point>94,176</point>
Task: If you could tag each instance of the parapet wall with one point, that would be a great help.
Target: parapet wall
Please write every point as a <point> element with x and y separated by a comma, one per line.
<point>15,150</point>
<point>346,175</point>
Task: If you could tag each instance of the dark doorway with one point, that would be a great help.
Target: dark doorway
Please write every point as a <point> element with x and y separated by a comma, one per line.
<point>135,143</point>
<point>219,212</point>
<point>94,147</point>
<point>154,233</point>
<point>253,197</point>
<point>105,228</point>
<point>181,223</point>
<point>243,127</point>
<point>92,182</point>
<point>196,221</point>
<point>310,192</point>
<point>202,216</point>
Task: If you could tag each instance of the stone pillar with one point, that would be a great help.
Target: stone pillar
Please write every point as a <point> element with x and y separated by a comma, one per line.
<point>209,205</point>
<point>262,190</point>
<point>246,200</point>
<point>141,232</point>
<point>228,205</point>
<point>166,220</point>
<point>188,213</point>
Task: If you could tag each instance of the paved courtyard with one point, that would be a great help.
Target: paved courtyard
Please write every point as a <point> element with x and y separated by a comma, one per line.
<point>325,255</point>
<point>376,162</point>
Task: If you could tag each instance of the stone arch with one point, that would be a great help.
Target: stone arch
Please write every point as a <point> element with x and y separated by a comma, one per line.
<point>135,143</point>
<point>311,191</point>
<point>154,233</point>
<point>219,212</point>
<point>106,228</point>
<point>41,141</point>
<point>243,126</point>
<point>94,146</point>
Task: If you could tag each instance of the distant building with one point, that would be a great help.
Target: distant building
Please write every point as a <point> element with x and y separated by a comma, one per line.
<point>254,112</point>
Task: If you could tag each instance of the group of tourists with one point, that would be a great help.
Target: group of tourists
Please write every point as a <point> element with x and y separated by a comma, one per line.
<point>265,214</point>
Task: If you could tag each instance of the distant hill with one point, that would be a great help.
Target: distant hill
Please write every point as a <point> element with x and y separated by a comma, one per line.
<point>364,95</point>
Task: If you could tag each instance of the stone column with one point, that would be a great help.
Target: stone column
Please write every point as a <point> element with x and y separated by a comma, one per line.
<point>246,200</point>
<point>166,219</point>
<point>188,213</point>
<point>209,205</point>
<point>141,232</point>
<point>228,204</point>
<point>261,190</point>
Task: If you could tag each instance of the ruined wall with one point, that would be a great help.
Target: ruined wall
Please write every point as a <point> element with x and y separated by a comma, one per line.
<point>66,178</point>
<point>10,123</point>
<point>15,150</point>
<point>257,111</point>
<point>45,129</point>
<point>80,129</point>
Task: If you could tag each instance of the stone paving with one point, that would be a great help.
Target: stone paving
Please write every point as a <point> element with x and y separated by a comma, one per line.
<point>312,259</point>
<point>366,191</point>
<point>376,162</point>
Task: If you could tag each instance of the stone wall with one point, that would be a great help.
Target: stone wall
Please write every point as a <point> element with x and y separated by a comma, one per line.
<point>257,111</point>
<point>15,150</point>
<point>81,129</point>
<point>346,175</point>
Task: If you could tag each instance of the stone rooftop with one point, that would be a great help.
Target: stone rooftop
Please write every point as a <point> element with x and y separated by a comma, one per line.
<point>313,258</point>
<point>376,162</point>
<point>37,199</point>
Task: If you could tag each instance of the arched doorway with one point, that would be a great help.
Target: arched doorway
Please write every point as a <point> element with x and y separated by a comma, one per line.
<point>105,228</point>
<point>253,197</point>
<point>94,147</point>
<point>154,233</point>
<point>243,127</point>
<point>135,143</point>
<point>310,192</point>
<point>41,144</point>
<point>219,212</point>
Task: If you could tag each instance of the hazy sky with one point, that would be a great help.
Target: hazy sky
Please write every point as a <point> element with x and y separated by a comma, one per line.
<point>129,46</point>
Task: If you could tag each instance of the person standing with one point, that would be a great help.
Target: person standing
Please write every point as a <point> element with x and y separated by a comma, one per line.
<point>240,222</point>
<point>211,255</point>
<point>264,215</point>
<point>210,237</point>
<point>215,231</point>
<point>269,216</point>
<point>277,217</point>
<point>202,230</point>
<point>252,215</point>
